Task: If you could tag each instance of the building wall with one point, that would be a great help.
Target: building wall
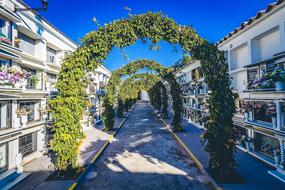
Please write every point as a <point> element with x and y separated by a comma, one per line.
<point>253,52</point>
<point>29,55</point>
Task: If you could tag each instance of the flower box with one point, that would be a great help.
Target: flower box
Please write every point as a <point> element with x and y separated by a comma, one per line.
<point>4,39</point>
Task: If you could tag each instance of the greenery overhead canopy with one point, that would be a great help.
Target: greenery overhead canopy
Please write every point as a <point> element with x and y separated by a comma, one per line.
<point>68,106</point>
<point>130,70</point>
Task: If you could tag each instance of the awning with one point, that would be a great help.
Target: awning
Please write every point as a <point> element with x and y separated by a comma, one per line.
<point>9,54</point>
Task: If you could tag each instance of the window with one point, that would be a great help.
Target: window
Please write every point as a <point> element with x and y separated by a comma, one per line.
<point>196,74</point>
<point>6,28</point>
<point>5,114</point>
<point>28,144</point>
<point>52,77</point>
<point>3,157</point>
<point>29,106</point>
<point>5,63</point>
<point>30,83</point>
<point>260,111</point>
<point>27,44</point>
<point>265,144</point>
<point>51,55</point>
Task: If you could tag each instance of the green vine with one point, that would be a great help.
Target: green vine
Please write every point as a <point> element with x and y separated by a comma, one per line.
<point>69,105</point>
<point>164,73</point>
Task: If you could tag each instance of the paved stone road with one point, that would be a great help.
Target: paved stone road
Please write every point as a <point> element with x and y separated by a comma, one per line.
<point>144,156</point>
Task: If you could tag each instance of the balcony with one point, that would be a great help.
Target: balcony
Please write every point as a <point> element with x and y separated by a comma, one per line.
<point>266,76</point>
<point>265,114</point>
<point>16,79</point>
<point>194,88</point>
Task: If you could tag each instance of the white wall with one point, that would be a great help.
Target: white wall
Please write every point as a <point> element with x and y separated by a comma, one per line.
<point>239,57</point>
<point>144,95</point>
<point>263,39</point>
<point>266,45</point>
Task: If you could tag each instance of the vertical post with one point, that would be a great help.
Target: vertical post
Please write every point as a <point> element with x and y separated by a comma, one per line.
<point>278,115</point>
<point>282,35</point>
<point>282,154</point>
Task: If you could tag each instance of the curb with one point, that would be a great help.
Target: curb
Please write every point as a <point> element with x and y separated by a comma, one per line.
<point>192,156</point>
<point>81,177</point>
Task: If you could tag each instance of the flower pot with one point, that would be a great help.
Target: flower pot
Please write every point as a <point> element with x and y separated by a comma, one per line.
<point>44,117</point>
<point>17,85</point>
<point>274,121</point>
<point>279,85</point>
<point>24,120</point>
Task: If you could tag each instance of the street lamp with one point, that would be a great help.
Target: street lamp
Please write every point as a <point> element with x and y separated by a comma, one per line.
<point>43,8</point>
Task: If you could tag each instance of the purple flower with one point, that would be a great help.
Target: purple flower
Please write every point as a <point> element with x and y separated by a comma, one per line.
<point>3,76</point>
<point>14,79</point>
<point>27,75</point>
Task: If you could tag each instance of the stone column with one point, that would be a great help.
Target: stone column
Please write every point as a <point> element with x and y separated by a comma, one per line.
<point>282,154</point>
<point>15,119</point>
<point>278,115</point>
<point>282,35</point>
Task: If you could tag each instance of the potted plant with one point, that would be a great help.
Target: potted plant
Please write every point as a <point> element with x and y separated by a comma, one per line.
<point>277,76</point>
<point>23,113</point>
<point>35,79</point>
<point>271,111</point>
<point>247,111</point>
<point>17,42</point>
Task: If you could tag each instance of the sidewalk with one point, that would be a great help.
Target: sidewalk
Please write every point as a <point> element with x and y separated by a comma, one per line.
<point>251,169</point>
<point>42,167</point>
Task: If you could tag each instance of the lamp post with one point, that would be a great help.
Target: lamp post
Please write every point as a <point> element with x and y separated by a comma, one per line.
<point>43,8</point>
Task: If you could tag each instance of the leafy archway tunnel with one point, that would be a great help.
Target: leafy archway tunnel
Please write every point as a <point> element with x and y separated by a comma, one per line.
<point>130,89</point>
<point>68,106</point>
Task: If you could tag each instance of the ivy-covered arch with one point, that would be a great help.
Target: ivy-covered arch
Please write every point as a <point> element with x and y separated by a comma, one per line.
<point>132,68</point>
<point>68,106</point>
<point>130,87</point>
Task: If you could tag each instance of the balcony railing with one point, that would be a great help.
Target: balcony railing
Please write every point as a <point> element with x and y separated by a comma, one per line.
<point>265,77</point>
<point>268,115</point>
<point>200,90</point>
<point>15,78</point>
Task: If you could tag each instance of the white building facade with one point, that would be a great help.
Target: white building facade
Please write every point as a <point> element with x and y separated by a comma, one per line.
<point>194,92</point>
<point>256,57</point>
<point>96,91</point>
<point>31,51</point>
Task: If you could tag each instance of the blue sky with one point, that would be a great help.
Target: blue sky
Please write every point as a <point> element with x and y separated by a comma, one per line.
<point>212,19</point>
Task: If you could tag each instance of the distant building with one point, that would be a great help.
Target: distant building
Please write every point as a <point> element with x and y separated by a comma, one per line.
<point>96,91</point>
<point>194,93</point>
<point>144,95</point>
